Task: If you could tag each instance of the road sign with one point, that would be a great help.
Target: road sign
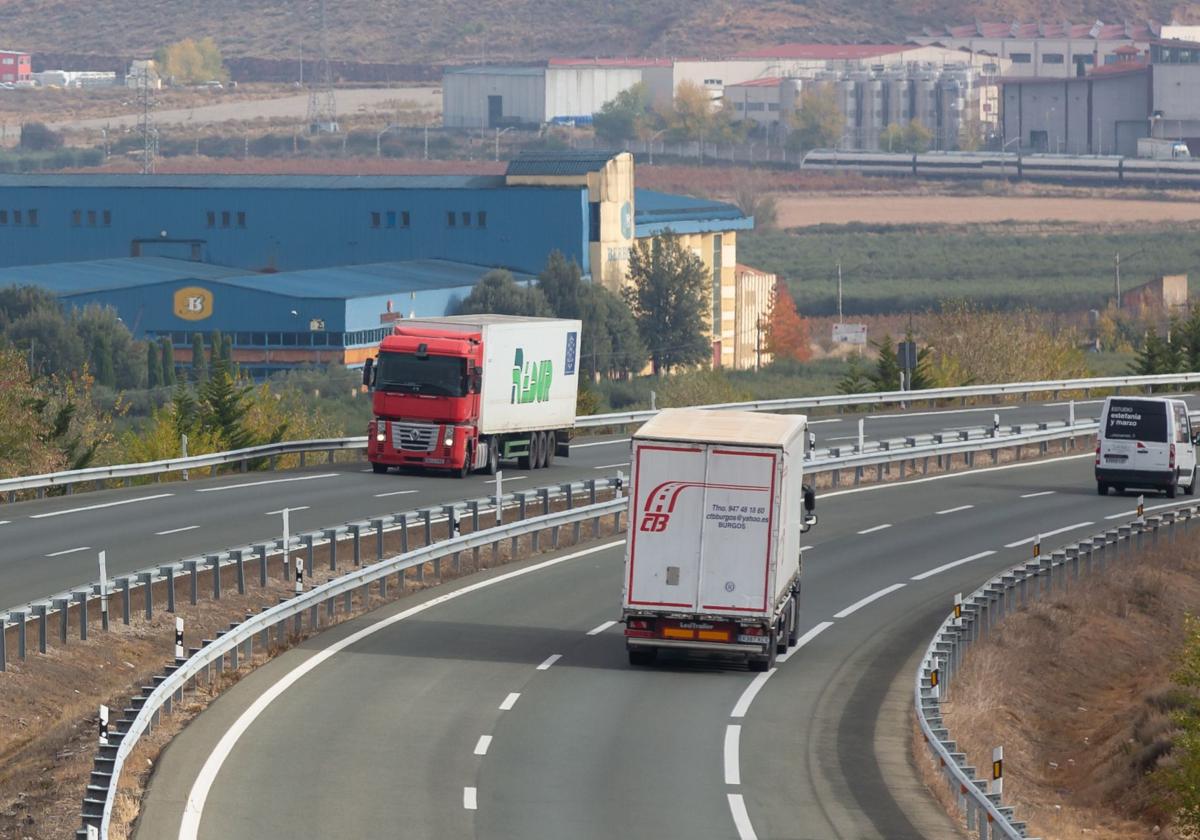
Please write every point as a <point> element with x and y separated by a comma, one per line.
<point>850,333</point>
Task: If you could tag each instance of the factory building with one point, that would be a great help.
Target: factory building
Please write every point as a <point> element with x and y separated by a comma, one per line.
<point>1145,93</point>
<point>316,268</point>
<point>15,67</point>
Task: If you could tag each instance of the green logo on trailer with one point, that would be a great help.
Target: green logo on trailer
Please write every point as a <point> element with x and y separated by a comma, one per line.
<point>531,380</point>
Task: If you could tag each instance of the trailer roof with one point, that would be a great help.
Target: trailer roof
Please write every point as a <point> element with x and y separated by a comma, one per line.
<point>749,428</point>
<point>467,323</point>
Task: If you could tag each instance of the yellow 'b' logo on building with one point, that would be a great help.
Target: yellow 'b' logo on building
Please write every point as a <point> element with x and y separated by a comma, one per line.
<point>193,303</point>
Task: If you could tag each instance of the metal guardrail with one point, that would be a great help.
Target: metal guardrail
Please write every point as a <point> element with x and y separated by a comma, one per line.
<point>9,487</point>
<point>1008,591</point>
<point>320,601</point>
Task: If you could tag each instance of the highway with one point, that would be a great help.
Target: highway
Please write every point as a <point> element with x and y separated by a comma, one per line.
<point>51,544</point>
<point>502,706</point>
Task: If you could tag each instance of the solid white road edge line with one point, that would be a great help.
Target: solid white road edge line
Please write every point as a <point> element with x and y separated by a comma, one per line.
<point>596,631</point>
<point>268,481</point>
<point>874,596</point>
<point>1125,513</point>
<point>599,443</point>
<point>550,660</point>
<point>947,566</point>
<point>1039,493</point>
<point>743,704</point>
<point>805,639</point>
<point>737,807</point>
<point>395,493</point>
<point>954,509</point>
<point>733,737</point>
<point>481,746</point>
<point>961,474</point>
<point>176,530</point>
<point>98,507</point>
<point>904,415</point>
<point>510,701</point>
<point>470,799</point>
<point>1045,534</point>
<point>193,810</point>
<point>611,466</point>
<point>876,528</point>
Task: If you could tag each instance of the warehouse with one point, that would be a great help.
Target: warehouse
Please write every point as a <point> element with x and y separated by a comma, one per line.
<point>315,268</point>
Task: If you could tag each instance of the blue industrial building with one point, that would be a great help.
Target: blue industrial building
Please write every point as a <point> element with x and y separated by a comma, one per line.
<point>309,268</point>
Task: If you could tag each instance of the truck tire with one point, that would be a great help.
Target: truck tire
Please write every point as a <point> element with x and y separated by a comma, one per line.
<point>538,446</point>
<point>378,468</point>
<point>493,459</point>
<point>642,657</point>
<point>465,469</point>
<point>765,662</point>
<point>551,445</point>
<point>794,629</point>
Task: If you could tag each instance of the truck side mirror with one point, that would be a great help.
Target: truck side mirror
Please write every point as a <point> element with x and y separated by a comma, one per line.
<point>810,519</point>
<point>368,376</point>
<point>810,500</point>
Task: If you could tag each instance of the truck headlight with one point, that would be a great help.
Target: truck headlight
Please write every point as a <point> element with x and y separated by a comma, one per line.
<point>449,441</point>
<point>379,437</point>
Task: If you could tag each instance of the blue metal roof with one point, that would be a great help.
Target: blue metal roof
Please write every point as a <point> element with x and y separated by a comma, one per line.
<point>355,281</point>
<point>656,212</point>
<point>289,182</point>
<point>560,163</point>
<point>99,275</point>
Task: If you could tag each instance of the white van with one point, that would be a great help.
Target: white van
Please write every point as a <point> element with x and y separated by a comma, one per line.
<point>1145,443</point>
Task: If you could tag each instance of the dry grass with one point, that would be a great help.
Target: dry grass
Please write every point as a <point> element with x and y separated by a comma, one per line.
<point>1076,688</point>
<point>48,704</point>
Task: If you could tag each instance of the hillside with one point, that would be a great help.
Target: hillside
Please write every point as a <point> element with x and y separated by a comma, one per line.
<point>439,31</point>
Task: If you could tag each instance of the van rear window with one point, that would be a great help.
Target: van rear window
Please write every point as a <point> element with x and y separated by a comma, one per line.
<point>1143,420</point>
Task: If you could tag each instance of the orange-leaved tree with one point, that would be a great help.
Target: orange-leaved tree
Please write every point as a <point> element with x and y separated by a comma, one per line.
<point>787,331</point>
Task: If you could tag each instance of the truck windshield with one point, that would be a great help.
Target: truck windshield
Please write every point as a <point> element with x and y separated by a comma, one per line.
<point>443,376</point>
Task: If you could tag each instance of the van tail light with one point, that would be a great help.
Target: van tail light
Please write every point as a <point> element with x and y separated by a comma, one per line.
<point>1171,463</point>
<point>1097,454</point>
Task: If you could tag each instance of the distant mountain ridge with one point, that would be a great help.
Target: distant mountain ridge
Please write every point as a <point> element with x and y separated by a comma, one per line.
<point>423,32</point>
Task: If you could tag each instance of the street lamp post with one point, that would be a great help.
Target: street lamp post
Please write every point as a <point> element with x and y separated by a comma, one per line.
<point>500,131</point>
<point>654,137</point>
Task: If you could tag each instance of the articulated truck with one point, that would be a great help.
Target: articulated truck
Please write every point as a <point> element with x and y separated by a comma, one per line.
<point>712,561</point>
<point>465,392</point>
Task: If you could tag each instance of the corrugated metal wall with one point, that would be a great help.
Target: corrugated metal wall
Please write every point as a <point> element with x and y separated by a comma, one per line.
<point>289,229</point>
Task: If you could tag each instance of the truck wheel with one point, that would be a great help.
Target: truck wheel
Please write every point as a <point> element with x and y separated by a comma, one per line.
<point>493,461</point>
<point>766,661</point>
<point>378,468</point>
<point>642,657</point>
<point>794,628</point>
<point>1101,488</point>
<point>551,445</point>
<point>465,469</point>
<point>539,450</point>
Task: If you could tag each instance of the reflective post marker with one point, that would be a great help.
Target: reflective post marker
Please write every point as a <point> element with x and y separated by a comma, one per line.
<point>958,607</point>
<point>103,726</point>
<point>178,638</point>
<point>995,425</point>
<point>299,575</point>
<point>861,433</point>
<point>1037,546</point>
<point>620,482</point>
<point>1141,510</point>
<point>287,543</point>
<point>1071,414</point>
<point>183,452</point>
<point>499,496</point>
<point>998,771</point>
<point>103,593</point>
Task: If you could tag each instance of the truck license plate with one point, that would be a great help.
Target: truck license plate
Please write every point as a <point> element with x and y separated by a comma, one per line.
<point>753,640</point>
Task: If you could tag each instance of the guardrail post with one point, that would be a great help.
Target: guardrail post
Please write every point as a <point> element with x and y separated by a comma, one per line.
<point>3,652</point>
<point>427,522</point>
<point>331,534</point>
<point>123,585</point>
<point>302,459</point>
<point>236,554</point>
<point>308,560</point>
<point>569,489</point>
<point>168,572</point>
<point>377,524</point>
<point>451,521</point>
<point>521,503</point>
<point>18,617</point>
<point>403,518</point>
<point>261,550</point>
<point>39,610</point>
<point>82,598</point>
<point>356,531</point>
<point>474,507</point>
<point>63,605</point>
<point>214,562</point>
<point>146,579</point>
<point>191,567</point>
<point>591,486</point>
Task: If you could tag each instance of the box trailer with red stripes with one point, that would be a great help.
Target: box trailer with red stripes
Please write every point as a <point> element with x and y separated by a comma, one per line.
<point>716,509</point>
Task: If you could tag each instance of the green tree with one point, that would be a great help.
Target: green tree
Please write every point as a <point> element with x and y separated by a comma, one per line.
<point>1156,356</point>
<point>168,361</point>
<point>217,342</point>
<point>624,117</point>
<point>857,379</point>
<point>105,334</point>
<point>100,358</point>
<point>1189,333</point>
<point>610,345</point>
<point>690,116</point>
<point>38,137</point>
<point>908,137</point>
<point>227,350</point>
<point>153,366</point>
<point>818,122</point>
<point>668,296</point>
<point>561,282</point>
<point>191,62</point>
<point>199,359</point>
<point>499,294</point>
<point>887,366</point>
<point>699,387</point>
<point>224,404</point>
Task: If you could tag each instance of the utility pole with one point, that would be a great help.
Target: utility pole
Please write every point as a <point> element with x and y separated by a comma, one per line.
<point>149,135</point>
<point>1118,279</point>
<point>839,268</point>
<point>322,108</point>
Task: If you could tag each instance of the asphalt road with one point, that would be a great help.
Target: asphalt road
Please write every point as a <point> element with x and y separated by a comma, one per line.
<point>448,717</point>
<point>51,544</point>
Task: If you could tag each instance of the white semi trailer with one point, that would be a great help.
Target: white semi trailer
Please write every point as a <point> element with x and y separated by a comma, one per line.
<point>716,510</point>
